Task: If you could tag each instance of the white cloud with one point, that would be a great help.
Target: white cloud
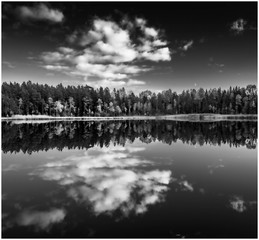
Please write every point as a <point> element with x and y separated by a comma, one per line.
<point>161,54</point>
<point>238,204</point>
<point>52,57</point>
<point>90,37</point>
<point>238,26</point>
<point>187,45</point>
<point>135,82</point>
<point>40,219</point>
<point>140,22</point>
<point>109,52</point>
<point>135,149</point>
<point>40,12</point>
<point>110,43</point>
<point>66,50</point>
<point>161,176</point>
<point>186,186</point>
<point>99,70</point>
<point>159,43</point>
<point>8,64</point>
<point>183,184</point>
<point>106,178</point>
<point>151,32</point>
<point>55,67</point>
<point>107,71</point>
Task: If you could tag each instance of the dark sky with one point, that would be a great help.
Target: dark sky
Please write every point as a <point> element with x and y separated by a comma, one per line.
<point>156,46</point>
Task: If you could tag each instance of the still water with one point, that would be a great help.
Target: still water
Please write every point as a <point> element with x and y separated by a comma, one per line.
<point>129,179</point>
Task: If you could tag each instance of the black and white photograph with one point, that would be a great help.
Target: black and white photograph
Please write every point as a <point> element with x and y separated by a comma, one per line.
<point>129,119</point>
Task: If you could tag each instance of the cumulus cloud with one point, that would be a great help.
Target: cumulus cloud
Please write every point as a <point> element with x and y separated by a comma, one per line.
<point>66,60</point>
<point>40,219</point>
<point>40,12</point>
<point>238,26</point>
<point>151,32</point>
<point>106,178</point>
<point>187,45</point>
<point>107,51</point>
<point>111,189</point>
<point>109,42</point>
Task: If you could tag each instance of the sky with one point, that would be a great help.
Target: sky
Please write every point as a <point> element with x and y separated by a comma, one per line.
<point>135,45</point>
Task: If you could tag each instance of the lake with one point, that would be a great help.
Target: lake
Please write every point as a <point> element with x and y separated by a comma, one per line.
<point>129,179</point>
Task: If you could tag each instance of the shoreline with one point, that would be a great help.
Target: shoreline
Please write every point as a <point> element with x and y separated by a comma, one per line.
<point>177,117</point>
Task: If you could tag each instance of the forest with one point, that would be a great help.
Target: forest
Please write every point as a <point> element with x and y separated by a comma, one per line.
<point>35,137</point>
<point>32,98</point>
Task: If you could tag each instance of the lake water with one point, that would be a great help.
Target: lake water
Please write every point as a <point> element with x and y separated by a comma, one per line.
<point>129,179</point>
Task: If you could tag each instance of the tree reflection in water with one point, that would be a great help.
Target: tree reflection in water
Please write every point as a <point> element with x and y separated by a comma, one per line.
<point>31,137</point>
<point>78,192</point>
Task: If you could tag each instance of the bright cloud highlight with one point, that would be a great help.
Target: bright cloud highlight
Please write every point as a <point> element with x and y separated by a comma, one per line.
<point>107,179</point>
<point>109,53</point>
<point>238,26</point>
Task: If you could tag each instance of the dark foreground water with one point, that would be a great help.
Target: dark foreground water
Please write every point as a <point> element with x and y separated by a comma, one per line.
<point>129,179</point>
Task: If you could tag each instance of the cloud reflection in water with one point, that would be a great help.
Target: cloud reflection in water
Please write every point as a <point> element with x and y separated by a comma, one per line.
<point>240,205</point>
<point>109,180</point>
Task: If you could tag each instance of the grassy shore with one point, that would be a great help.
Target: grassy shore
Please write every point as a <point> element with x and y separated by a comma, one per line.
<point>177,117</point>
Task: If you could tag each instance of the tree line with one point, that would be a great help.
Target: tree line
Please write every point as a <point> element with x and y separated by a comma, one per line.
<point>34,137</point>
<point>38,99</point>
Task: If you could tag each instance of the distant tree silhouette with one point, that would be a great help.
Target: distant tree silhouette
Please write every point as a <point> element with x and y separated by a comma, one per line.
<point>31,98</point>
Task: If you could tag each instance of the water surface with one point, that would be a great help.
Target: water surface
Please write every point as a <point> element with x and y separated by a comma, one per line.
<point>129,179</point>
